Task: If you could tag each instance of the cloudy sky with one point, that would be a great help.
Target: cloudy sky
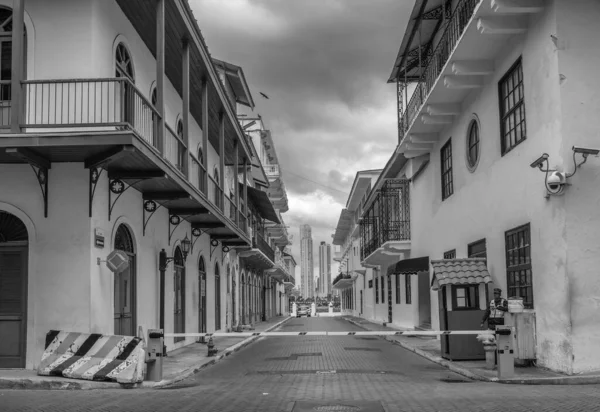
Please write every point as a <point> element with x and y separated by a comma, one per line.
<point>324,66</point>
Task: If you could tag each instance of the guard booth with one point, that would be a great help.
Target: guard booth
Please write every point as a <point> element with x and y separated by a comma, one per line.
<point>462,286</point>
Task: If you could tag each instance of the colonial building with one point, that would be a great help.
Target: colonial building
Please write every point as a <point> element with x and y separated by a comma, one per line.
<point>122,133</point>
<point>354,283</point>
<point>492,142</point>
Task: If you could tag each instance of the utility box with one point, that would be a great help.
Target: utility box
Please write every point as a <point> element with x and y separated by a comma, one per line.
<point>154,355</point>
<point>505,351</point>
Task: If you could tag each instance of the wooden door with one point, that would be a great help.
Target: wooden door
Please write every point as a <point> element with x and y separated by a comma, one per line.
<point>125,286</point>
<point>13,306</point>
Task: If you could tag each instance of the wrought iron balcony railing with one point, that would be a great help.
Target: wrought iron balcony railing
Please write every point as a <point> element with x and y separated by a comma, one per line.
<point>387,218</point>
<point>103,105</point>
<point>340,277</point>
<point>258,242</point>
<point>437,60</point>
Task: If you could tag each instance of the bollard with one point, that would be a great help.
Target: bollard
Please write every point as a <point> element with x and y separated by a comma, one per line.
<point>212,350</point>
<point>504,348</point>
<point>154,355</point>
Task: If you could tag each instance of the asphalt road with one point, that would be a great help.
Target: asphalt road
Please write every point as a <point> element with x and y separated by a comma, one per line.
<point>318,373</point>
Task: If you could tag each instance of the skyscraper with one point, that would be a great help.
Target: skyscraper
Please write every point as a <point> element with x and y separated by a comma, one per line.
<point>324,269</point>
<point>306,262</point>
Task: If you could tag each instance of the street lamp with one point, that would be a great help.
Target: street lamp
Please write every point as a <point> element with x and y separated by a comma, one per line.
<point>163,260</point>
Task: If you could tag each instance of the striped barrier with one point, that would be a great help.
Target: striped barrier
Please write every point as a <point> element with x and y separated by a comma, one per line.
<point>93,357</point>
<point>327,333</point>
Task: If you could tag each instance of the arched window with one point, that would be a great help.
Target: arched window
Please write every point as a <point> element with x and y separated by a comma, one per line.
<point>6,27</point>
<point>180,152</point>
<point>154,97</point>
<point>12,229</point>
<point>124,64</point>
<point>473,145</point>
<point>217,190</point>
<point>124,239</point>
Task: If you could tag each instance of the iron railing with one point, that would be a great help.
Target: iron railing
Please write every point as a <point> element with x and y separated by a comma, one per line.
<point>387,218</point>
<point>437,60</point>
<point>230,209</point>
<point>108,104</point>
<point>340,277</point>
<point>258,242</point>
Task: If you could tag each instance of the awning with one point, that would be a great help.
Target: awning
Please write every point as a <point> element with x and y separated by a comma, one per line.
<point>263,204</point>
<point>409,266</point>
<point>459,272</point>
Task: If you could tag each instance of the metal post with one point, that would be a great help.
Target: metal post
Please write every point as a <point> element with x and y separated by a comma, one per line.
<point>160,72</point>
<point>186,104</point>
<point>18,38</point>
<point>162,266</point>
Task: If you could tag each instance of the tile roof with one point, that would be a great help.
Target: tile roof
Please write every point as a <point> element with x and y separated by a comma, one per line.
<point>459,272</point>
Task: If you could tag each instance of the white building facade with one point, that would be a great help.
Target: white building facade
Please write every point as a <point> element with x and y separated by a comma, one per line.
<point>104,146</point>
<point>498,85</point>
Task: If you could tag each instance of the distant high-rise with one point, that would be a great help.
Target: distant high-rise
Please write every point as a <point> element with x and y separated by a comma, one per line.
<point>324,269</point>
<point>306,262</point>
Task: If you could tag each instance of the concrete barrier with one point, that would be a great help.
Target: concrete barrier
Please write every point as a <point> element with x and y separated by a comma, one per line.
<point>93,356</point>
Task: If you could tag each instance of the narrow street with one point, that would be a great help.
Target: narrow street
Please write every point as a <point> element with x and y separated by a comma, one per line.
<point>305,372</point>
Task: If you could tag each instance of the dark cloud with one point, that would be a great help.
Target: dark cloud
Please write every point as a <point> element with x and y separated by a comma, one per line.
<point>324,65</point>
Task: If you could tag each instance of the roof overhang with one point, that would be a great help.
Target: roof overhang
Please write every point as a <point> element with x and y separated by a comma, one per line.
<point>263,204</point>
<point>410,266</point>
<point>360,185</point>
<point>343,227</point>
<point>459,272</point>
<point>235,76</point>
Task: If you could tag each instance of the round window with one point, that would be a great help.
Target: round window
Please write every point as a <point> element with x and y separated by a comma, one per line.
<point>473,144</point>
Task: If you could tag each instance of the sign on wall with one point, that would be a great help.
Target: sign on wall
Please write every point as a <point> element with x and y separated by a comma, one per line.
<point>99,238</point>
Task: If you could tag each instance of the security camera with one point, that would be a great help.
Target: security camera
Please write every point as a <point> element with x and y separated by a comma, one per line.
<point>556,182</point>
<point>586,151</point>
<point>539,161</point>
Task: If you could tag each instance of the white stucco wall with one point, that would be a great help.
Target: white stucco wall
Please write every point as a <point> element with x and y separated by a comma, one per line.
<point>504,192</point>
<point>578,57</point>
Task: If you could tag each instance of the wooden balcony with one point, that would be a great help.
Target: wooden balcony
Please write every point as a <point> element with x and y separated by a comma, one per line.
<point>108,124</point>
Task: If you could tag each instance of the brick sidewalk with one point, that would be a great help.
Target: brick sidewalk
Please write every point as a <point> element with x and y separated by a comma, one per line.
<point>430,348</point>
<point>178,365</point>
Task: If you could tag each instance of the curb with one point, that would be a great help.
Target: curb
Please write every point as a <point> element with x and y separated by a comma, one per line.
<point>576,380</point>
<point>44,384</point>
<point>195,369</point>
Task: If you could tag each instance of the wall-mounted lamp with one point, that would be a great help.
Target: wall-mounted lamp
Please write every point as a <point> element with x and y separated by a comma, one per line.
<point>163,259</point>
<point>556,181</point>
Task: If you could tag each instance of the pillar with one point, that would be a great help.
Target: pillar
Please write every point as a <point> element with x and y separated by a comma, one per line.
<point>185,117</point>
<point>160,72</point>
<point>18,39</point>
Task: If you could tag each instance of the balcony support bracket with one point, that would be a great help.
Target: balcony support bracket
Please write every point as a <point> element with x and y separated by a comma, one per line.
<point>40,166</point>
<point>196,234</point>
<point>149,208</point>
<point>501,25</point>
<point>95,173</point>
<point>117,187</point>
<point>214,243</point>
<point>174,221</point>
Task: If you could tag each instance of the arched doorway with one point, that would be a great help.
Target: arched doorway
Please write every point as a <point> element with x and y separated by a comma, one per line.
<point>124,69</point>
<point>179,286</point>
<point>202,294</point>
<point>125,285</point>
<point>14,246</point>
<point>6,25</point>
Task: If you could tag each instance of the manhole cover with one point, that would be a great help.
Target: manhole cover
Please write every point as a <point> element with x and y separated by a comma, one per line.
<point>340,408</point>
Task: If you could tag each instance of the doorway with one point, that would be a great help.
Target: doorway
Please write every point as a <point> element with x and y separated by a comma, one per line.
<point>361,302</point>
<point>217,298</point>
<point>202,294</point>
<point>14,250</point>
<point>124,69</point>
<point>179,286</point>
<point>125,286</point>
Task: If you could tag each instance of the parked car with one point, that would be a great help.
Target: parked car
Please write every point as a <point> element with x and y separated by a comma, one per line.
<point>303,311</point>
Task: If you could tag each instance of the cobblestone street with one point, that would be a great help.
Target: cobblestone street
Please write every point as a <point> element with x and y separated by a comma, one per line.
<point>279,373</point>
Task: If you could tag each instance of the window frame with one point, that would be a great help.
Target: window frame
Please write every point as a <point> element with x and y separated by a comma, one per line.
<point>516,67</point>
<point>474,299</point>
<point>471,245</point>
<point>450,254</point>
<point>383,289</point>
<point>408,289</point>
<point>377,290</point>
<point>520,267</point>
<point>446,169</point>
<point>472,165</point>
<point>398,291</point>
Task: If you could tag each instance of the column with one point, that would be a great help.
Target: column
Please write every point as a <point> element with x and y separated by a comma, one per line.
<point>18,38</point>
<point>236,165</point>
<point>186,105</point>
<point>222,158</point>
<point>160,72</point>
<point>205,112</point>
<point>246,193</point>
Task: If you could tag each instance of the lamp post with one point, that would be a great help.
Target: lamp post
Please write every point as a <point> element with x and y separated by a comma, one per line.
<point>163,261</point>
